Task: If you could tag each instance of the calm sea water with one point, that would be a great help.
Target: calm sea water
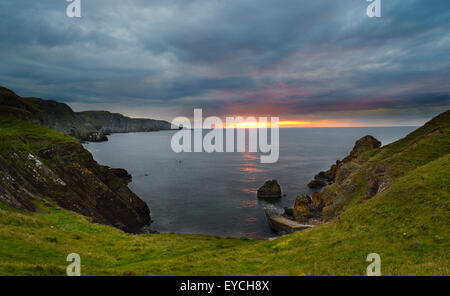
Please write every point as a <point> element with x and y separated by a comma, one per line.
<point>216,193</point>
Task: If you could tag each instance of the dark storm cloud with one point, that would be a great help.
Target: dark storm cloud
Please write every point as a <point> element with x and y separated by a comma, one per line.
<point>258,57</point>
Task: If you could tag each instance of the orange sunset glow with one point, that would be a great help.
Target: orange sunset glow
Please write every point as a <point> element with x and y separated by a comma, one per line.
<point>256,124</point>
<point>293,124</point>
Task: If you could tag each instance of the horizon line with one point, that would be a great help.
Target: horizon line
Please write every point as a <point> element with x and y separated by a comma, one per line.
<point>288,127</point>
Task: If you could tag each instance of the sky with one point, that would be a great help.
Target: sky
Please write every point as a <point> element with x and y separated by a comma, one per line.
<point>315,63</point>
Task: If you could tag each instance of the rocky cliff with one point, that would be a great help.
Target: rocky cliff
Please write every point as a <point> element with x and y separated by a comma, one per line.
<point>107,123</point>
<point>364,144</point>
<point>42,166</point>
<point>40,163</point>
<point>85,126</point>
<point>48,113</point>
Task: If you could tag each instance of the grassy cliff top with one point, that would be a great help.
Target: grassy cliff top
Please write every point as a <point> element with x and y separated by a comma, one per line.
<point>12,129</point>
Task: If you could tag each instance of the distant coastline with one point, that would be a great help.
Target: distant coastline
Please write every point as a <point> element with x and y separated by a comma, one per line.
<point>91,126</point>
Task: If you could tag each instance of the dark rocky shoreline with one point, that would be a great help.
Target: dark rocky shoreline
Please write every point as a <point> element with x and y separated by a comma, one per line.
<point>310,211</point>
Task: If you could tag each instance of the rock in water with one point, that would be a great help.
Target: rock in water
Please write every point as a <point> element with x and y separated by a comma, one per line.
<point>270,191</point>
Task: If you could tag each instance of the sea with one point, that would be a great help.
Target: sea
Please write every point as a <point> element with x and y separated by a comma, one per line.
<point>215,193</point>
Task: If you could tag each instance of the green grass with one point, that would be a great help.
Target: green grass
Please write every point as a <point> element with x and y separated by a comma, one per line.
<point>407,224</point>
<point>21,137</point>
<point>420,147</point>
<point>13,130</point>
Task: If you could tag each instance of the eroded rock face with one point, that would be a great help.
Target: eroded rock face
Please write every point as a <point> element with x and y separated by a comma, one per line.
<point>270,191</point>
<point>317,202</point>
<point>67,174</point>
<point>341,176</point>
<point>317,183</point>
<point>343,168</point>
<point>122,174</point>
<point>364,144</point>
<point>326,204</point>
<point>377,181</point>
<point>301,208</point>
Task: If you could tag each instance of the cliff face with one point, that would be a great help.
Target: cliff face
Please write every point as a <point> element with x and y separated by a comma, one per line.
<point>364,144</point>
<point>86,126</point>
<point>38,165</point>
<point>107,122</point>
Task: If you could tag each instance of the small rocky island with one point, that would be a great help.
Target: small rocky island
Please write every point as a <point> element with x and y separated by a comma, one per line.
<point>270,191</point>
<point>310,211</point>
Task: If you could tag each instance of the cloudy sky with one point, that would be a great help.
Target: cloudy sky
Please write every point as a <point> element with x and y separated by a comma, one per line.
<point>323,61</point>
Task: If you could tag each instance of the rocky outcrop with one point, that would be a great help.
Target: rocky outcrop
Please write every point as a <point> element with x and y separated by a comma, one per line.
<point>307,209</point>
<point>377,180</point>
<point>319,208</point>
<point>122,174</point>
<point>317,202</point>
<point>86,126</point>
<point>324,204</point>
<point>270,191</point>
<point>369,170</point>
<point>38,165</point>
<point>301,208</point>
<point>364,144</point>
<point>317,183</point>
<point>324,178</point>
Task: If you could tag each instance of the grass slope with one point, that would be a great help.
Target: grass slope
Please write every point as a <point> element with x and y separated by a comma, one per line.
<point>407,224</point>
<point>382,167</point>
